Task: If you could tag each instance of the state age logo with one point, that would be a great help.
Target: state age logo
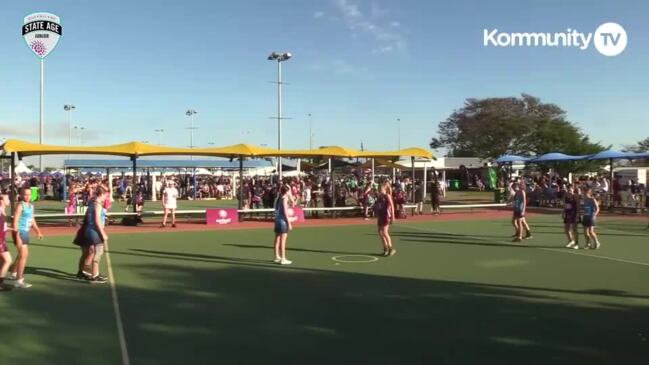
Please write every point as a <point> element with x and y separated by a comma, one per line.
<point>42,32</point>
<point>223,217</point>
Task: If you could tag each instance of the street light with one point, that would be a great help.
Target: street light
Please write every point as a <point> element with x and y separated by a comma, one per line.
<point>310,132</point>
<point>279,57</point>
<point>69,108</point>
<point>190,113</point>
<point>80,130</point>
<point>398,134</point>
<point>160,131</point>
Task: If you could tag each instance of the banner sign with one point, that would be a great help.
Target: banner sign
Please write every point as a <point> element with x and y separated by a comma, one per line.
<point>221,216</point>
<point>295,214</point>
<point>42,32</point>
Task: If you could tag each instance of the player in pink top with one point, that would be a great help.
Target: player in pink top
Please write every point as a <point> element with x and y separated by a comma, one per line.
<point>5,255</point>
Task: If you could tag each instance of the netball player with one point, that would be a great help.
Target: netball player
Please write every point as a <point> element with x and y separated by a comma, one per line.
<point>591,210</point>
<point>384,210</point>
<point>5,255</point>
<point>282,225</point>
<point>571,216</point>
<point>23,223</point>
<point>519,207</point>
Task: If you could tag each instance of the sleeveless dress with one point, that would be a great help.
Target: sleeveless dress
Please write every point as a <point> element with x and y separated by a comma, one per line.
<point>90,234</point>
<point>588,219</point>
<point>570,209</point>
<point>281,221</point>
<point>25,222</point>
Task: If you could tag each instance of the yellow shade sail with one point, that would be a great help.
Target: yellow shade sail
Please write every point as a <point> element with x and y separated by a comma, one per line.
<point>416,152</point>
<point>139,149</point>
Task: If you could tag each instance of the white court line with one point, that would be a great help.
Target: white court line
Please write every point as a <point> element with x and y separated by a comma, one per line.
<point>634,234</point>
<point>118,315</point>
<point>558,250</point>
<point>577,252</point>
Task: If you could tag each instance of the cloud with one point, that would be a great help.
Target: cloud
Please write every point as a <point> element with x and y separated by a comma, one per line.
<point>318,14</point>
<point>385,36</point>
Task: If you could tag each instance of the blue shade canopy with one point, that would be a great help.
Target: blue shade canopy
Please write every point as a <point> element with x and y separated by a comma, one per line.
<point>607,155</point>
<point>555,156</point>
<point>171,164</point>
<point>640,155</point>
<point>511,158</point>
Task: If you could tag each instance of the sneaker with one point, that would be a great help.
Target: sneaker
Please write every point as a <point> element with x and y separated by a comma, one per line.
<point>570,244</point>
<point>277,260</point>
<point>102,277</point>
<point>173,226</point>
<point>528,235</point>
<point>97,280</point>
<point>392,252</point>
<point>11,276</point>
<point>285,262</point>
<point>597,245</point>
<point>517,240</point>
<point>22,284</point>
<point>82,275</point>
<point>163,226</point>
<point>386,253</point>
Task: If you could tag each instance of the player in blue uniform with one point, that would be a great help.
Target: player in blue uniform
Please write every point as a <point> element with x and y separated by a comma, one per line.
<point>519,208</point>
<point>23,223</point>
<point>591,210</point>
<point>282,225</point>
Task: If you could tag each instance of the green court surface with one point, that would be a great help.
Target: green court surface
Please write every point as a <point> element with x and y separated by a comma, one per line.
<point>457,292</point>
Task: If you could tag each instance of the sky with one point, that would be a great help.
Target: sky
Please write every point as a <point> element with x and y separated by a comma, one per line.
<point>131,67</point>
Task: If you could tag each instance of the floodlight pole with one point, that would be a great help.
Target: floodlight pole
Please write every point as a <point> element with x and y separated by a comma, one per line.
<point>310,132</point>
<point>279,116</point>
<point>398,134</point>
<point>279,57</point>
<point>42,113</point>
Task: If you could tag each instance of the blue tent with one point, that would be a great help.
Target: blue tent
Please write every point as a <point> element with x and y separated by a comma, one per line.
<point>511,159</point>
<point>614,155</point>
<point>641,155</point>
<point>555,156</point>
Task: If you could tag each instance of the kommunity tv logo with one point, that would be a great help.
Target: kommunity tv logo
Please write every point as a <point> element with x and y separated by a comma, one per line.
<point>610,39</point>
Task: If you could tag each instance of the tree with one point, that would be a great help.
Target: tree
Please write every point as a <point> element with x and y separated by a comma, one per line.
<point>491,127</point>
<point>642,146</point>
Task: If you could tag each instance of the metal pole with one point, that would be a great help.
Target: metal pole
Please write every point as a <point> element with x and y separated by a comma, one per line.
<point>373,166</point>
<point>240,205</point>
<point>65,184</point>
<point>110,184</point>
<point>194,182</point>
<point>191,134</point>
<point>399,134</point>
<point>310,132</point>
<point>610,186</point>
<point>412,183</point>
<point>279,115</point>
<point>425,181</point>
<point>69,130</point>
<point>134,186</point>
<point>333,185</point>
<point>12,192</point>
<point>42,113</point>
